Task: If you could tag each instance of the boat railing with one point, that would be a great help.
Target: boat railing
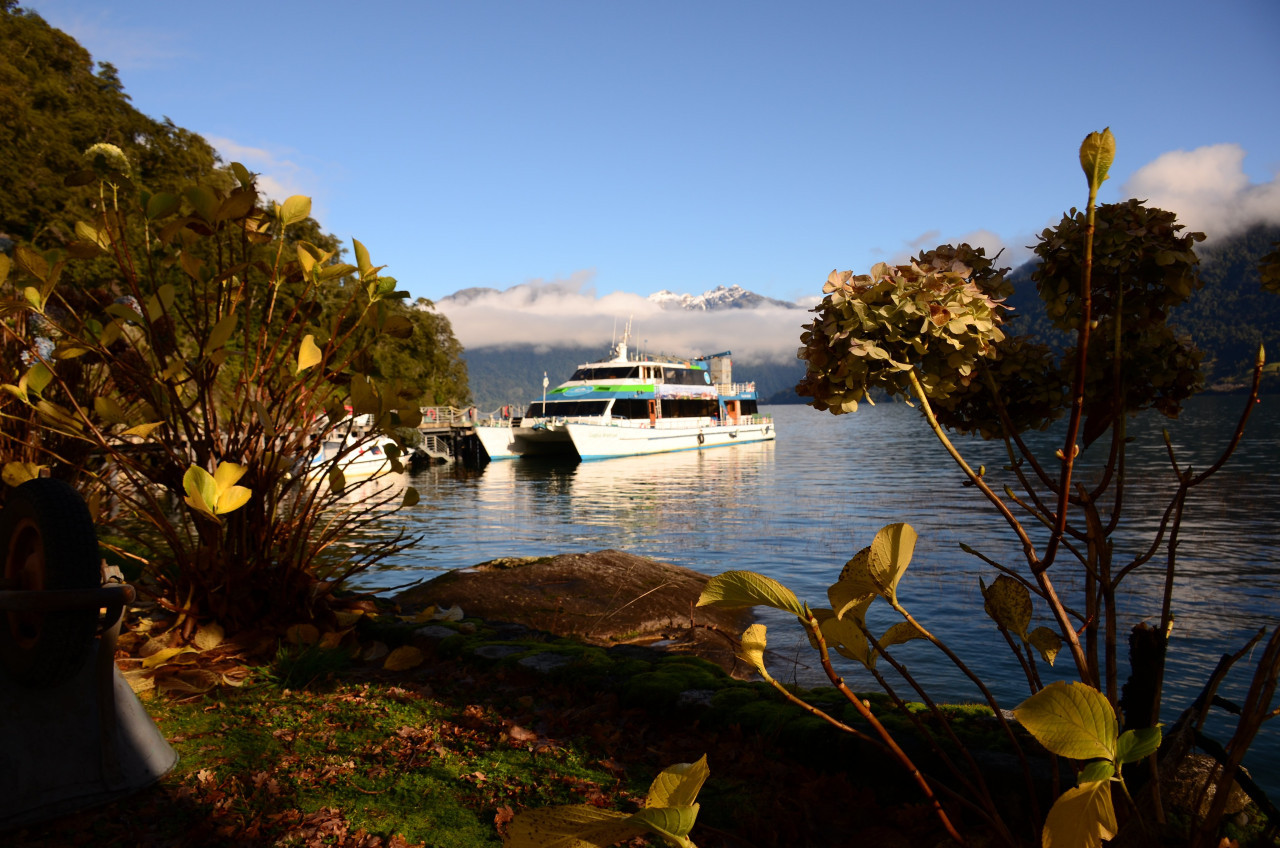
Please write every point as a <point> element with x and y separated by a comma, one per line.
<point>735,388</point>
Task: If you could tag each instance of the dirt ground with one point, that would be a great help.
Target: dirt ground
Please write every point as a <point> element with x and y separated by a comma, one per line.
<point>604,598</point>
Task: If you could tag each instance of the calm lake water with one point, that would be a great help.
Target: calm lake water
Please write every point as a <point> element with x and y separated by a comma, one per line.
<point>799,508</point>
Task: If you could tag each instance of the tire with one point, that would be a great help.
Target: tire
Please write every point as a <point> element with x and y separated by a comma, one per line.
<point>47,541</point>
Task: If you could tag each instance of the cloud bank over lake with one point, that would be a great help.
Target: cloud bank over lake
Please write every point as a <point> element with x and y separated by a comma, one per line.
<point>1207,188</point>
<point>568,312</point>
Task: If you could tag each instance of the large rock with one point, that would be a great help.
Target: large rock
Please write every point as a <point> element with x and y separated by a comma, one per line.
<point>604,598</point>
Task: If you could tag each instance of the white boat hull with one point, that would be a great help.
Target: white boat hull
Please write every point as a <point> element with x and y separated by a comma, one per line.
<point>604,439</point>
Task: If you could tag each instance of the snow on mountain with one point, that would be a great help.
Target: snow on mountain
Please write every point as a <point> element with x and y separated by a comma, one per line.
<point>732,297</point>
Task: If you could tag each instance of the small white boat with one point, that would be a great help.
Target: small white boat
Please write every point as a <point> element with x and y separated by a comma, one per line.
<point>358,462</point>
<point>627,407</point>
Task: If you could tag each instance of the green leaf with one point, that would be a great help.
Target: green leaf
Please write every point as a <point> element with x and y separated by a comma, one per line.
<point>362,258</point>
<point>242,174</point>
<point>295,209</point>
<point>1097,152</point>
<point>678,785</point>
<point>337,480</point>
<point>32,296</point>
<point>411,497</point>
<point>38,377</point>
<point>1135,745</point>
<point>308,353</point>
<point>108,410</point>
<point>121,311</point>
<point>889,557</point>
<point>364,397</point>
<point>573,826</point>
<point>31,262</point>
<point>398,327</point>
<point>747,589</point>
<point>220,333</point>
<point>5,264</point>
<point>1096,770</point>
<point>1008,602</point>
<point>1081,818</point>
<point>1046,642</point>
<point>202,492</point>
<point>161,205</point>
<point>671,823</point>
<point>96,237</point>
<point>203,201</point>
<point>237,205</point>
<point>1071,720</point>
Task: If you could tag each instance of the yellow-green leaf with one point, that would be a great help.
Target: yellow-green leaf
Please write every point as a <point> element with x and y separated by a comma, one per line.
<point>903,631</point>
<point>221,332</point>
<point>1097,152</point>
<point>403,658</point>
<point>573,826</point>
<point>143,430</point>
<point>678,785</point>
<point>1071,720</point>
<point>17,473</point>
<point>411,496</point>
<point>1137,744</point>
<point>1082,817</point>
<point>671,823</point>
<point>308,353</point>
<point>754,641</point>
<point>38,377</point>
<point>362,258</point>
<point>748,589</point>
<point>231,499</point>
<point>1046,642</point>
<point>848,639</point>
<point>1008,602</point>
<point>202,491</point>
<point>890,555</point>
<point>295,209</point>
<point>4,268</point>
<point>89,233</point>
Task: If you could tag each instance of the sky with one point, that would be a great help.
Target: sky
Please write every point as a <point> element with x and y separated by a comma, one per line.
<point>585,154</point>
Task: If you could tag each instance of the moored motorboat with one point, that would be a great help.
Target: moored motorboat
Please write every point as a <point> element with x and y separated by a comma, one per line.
<point>628,406</point>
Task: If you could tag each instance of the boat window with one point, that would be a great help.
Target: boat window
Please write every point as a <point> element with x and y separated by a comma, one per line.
<point>689,408</point>
<point>685,376</point>
<point>748,407</point>
<point>612,372</point>
<point>566,408</point>
<point>630,408</point>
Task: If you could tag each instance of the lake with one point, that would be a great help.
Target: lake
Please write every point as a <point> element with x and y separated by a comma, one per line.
<point>797,509</point>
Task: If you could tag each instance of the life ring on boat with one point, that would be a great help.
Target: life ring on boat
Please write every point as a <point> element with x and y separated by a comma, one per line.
<point>701,438</point>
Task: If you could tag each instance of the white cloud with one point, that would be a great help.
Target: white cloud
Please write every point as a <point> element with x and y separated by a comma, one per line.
<point>1015,252</point>
<point>1208,189</point>
<point>568,312</point>
<point>279,176</point>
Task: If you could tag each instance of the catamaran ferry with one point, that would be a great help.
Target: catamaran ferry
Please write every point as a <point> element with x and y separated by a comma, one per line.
<point>626,407</point>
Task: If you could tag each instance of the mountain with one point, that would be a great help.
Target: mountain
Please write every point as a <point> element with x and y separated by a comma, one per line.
<point>733,297</point>
<point>1228,318</point>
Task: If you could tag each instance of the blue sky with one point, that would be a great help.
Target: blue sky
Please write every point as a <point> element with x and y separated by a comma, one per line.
<point>608,148</point>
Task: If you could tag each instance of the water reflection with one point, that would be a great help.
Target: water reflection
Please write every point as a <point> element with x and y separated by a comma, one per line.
<point>798,508</point>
